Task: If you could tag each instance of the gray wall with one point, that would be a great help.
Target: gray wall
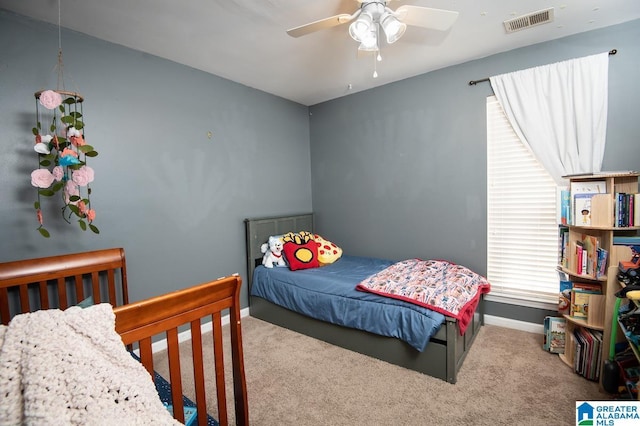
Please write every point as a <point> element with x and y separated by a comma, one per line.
<point>400,171</point>
<point>172,197</point>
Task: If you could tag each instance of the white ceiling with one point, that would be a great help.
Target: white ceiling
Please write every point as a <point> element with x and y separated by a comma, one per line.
<point>246,40</point>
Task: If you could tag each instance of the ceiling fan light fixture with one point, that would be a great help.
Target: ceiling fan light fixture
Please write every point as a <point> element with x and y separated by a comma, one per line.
<point>361,26</point>
<point>392,27</point>
<point>369,47</point>
<point>369,41</point>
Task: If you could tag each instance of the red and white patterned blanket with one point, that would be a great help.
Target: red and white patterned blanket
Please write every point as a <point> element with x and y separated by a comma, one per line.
<point>445,287</point>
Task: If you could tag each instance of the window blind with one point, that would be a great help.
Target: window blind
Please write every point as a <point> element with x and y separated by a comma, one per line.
<point>522,252</point>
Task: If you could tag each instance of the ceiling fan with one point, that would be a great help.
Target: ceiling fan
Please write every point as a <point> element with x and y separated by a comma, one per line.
<point>374,14</point>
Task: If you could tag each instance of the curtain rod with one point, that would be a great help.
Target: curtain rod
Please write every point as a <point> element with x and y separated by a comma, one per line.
<point>474,82</point>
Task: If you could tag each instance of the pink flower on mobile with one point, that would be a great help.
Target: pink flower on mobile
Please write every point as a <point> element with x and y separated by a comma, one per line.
<point>58,173</point>
<point>41,178</point>
<point>70,189</point>
<point>62,153</point>
<point>83,176</point>
<point>50,99</point>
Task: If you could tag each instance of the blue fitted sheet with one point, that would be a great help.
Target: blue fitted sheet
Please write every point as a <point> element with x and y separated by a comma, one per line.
<point>329,294</point>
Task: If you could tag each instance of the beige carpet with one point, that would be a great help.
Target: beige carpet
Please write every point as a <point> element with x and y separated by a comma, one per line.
<point>507,379</point>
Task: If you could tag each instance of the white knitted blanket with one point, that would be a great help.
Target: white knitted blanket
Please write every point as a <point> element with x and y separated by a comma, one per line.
<point>71,368</point>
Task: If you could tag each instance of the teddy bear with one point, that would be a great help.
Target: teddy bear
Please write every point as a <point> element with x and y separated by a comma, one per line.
<point>273,253</point>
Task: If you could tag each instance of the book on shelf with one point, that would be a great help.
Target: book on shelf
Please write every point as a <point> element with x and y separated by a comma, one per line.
<point>563,242</point>
<point>581,194</point>
<point>584,255</point>
<point>580,298</point>
<point>565,207</point>
<point>588,352</point>
<point>582,209</point>
<point>626,212</point>
<point>601,264</point>
<point>596,355</point>
<point>577,250</point>
<point>578,357</point>
<point>564,297</point>
<point>590,245</point>
<point>554,334</point>
<point>580,348</point>
<point>592,287</point>
<point>620,209</point>
<point>628,240</point>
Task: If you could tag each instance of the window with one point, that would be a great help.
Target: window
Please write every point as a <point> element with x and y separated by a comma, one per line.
<point>522,252</point>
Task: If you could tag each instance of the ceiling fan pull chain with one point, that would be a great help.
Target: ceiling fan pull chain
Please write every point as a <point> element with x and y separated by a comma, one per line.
<point>375,67</point>
<point>377,57</point>
<point>376,53</point>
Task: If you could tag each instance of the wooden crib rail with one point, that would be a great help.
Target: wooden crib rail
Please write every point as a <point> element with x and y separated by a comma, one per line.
<point>138,322</point>
<point>42,283</point>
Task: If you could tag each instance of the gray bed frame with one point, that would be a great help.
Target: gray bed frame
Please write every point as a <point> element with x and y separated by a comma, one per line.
<point>442,358</point>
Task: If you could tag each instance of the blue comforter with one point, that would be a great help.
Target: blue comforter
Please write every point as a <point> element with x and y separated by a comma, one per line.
<point>329,294</point>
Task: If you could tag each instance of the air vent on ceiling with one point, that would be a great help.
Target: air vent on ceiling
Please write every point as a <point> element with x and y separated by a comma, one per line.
<point>529,20</point>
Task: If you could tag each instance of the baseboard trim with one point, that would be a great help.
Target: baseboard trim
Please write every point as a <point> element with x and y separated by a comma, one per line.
<point>185,335</point>
<point>515,324</point>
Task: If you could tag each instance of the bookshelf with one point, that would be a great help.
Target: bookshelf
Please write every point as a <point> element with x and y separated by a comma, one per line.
<point>595,220</point>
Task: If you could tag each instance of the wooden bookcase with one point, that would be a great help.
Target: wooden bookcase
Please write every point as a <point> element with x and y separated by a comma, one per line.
<point>602,228</point>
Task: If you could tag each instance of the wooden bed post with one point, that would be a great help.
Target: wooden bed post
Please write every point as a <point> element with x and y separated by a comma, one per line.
<point>239,382</point>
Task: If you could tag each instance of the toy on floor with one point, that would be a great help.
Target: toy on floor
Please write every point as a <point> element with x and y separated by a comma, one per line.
<point>273,253</point>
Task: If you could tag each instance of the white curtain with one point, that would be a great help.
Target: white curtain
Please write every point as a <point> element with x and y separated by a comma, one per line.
<point>559,111</point>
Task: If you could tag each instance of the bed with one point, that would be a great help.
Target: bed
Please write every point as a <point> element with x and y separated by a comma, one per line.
<point>447,346</point>
<point>62,284</point>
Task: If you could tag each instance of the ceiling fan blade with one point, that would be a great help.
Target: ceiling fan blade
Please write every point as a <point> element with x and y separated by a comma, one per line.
<point>426,17</point>
<point>320,25</point>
